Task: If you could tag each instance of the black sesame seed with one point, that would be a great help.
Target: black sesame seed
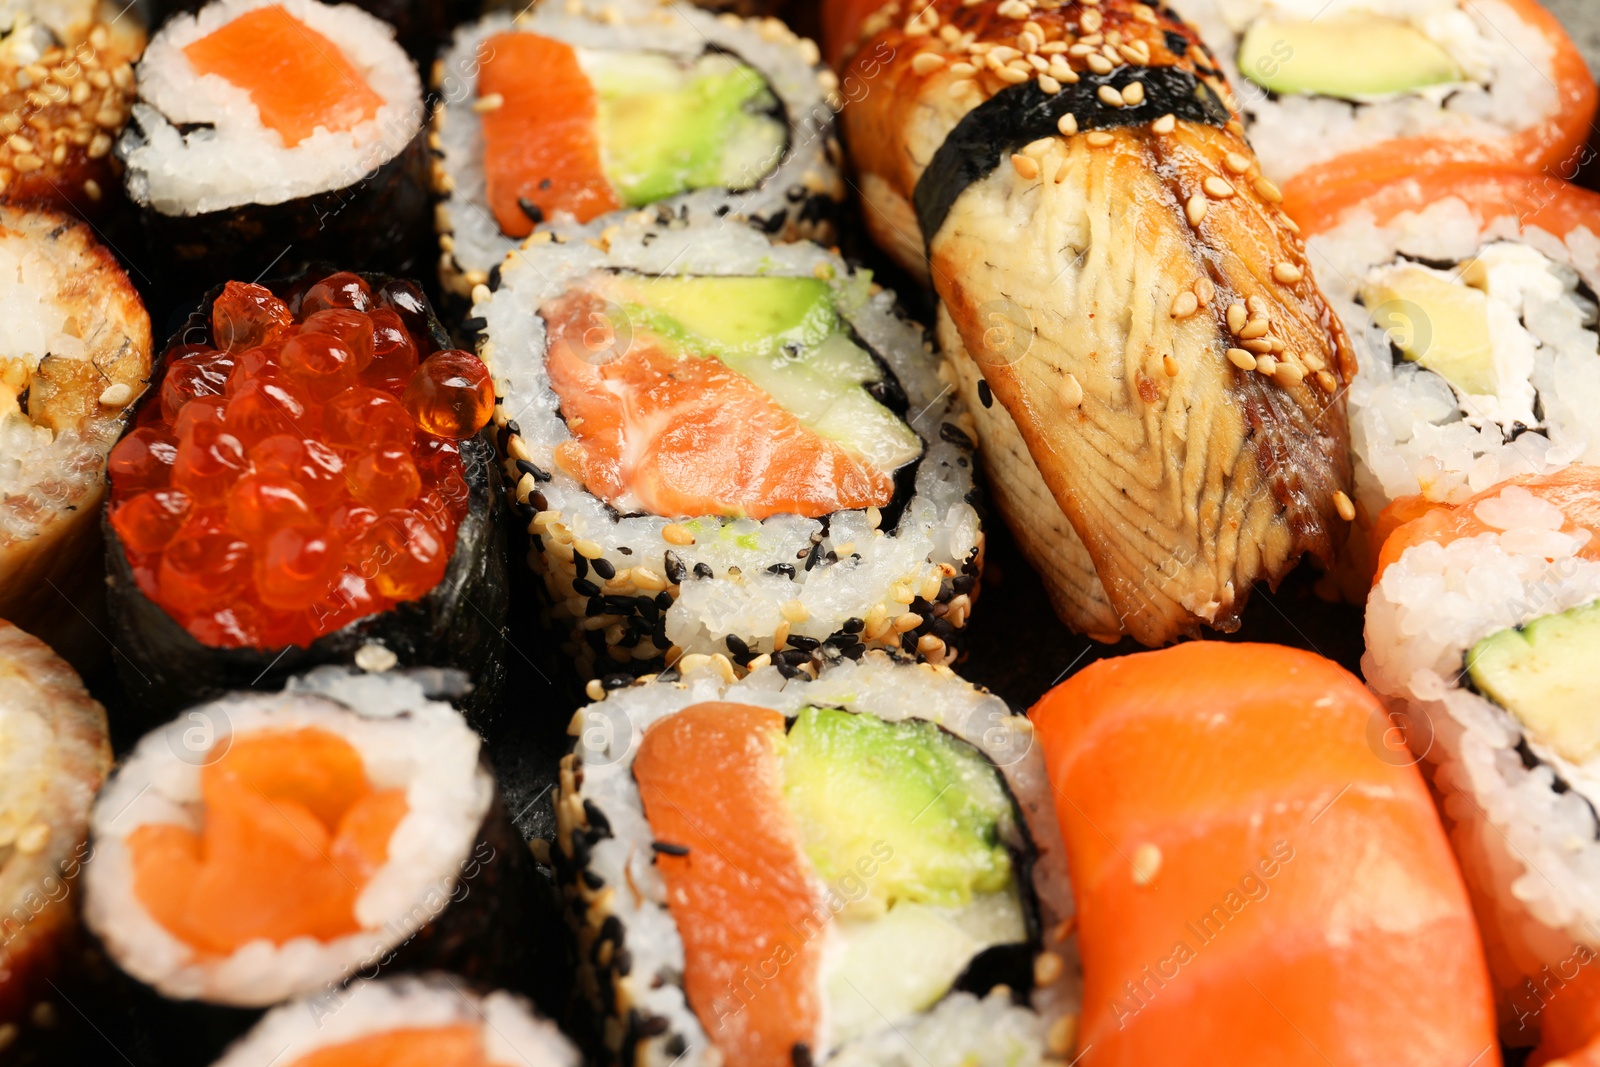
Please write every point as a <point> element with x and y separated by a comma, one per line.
<point>908,642</point>
<point>539,473</point>
<point>668,848</point>
<point>800,1054</point>
<point>646,606</point>
<point>596,606</point>
<point>813,555</point>
<point>536,503</point>
<point>676,1045</point>
<point>611,929</point>
<point>625,550</point>
<point>622,962</point>
<point>803,643</point>
<point>581,565</point>
<point>703,570</point>
<point>775,223</point>
<point>952,433</point>
<point>514,429</point>
<point>604,568</point>
<point>737,646</point>
<point>853,651</point>
<point>544,183</point>
<point>584,587</point>
<point>658,634</point>
<point>534,212</point>
<point>795,193</point>
<point>853,625</point>
<point>963,584</point>
<point>653,1026</point>
<point>786,670</point>
<point>793,656</point>
<point>619,605</point>
<point>494,277</point>
<point>676,571</point>
<point>597,818</point>
<point>663,600</point>
<point>593,880</point>
<point>475,324</point>
<point>580,852</point>
<point>785,569</point>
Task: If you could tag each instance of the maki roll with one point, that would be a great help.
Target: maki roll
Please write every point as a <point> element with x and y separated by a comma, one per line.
<point>1254,884</point>
<point>54,753</point>
<point>858,869</point>
<point>727,447</point>
<point>268,135</point>
<point>1482,632</point>
<point>1363,92</point>
<point>426,1020</point>
<point>571,112</point>
<point>1469,299</point>
<point>74,355</point>
<point>1156,379</point>
<point>306,485</point>
<point>66,85</point>
<point>268,846</point>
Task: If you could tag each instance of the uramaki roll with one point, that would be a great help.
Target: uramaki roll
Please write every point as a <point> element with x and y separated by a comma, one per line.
<point>1157,381</point>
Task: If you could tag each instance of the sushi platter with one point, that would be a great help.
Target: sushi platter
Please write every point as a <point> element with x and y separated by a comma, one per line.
<point>771,533</point>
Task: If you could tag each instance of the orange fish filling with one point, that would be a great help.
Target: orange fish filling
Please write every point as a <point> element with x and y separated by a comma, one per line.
<point>292,831</point>
<point>540,143</point>
<point>431,1046</point>
<point>686,435</point>
<point>296,77</point>
<point>743,889</point>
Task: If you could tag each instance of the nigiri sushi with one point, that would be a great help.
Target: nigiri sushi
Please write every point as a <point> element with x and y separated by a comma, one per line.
<point>1156,378</point>
<point>1255,884</point>
<point>1482,631</point>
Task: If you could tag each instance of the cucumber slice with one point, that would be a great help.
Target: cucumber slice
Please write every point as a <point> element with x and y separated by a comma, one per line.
<point>1351,57</point>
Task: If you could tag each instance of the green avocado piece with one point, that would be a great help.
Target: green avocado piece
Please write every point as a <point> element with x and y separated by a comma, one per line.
<point>1544,675</point>
<point>1436,322</point>
<point>785,335</point>
<point>895,812</point>
<point>666,127</point>
<point>1351,57</point>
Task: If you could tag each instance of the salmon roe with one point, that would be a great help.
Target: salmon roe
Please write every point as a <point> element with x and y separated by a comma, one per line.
<point>300,469</point>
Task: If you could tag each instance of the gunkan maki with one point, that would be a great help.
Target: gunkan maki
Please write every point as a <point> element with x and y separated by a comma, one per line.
<point>305,485</point>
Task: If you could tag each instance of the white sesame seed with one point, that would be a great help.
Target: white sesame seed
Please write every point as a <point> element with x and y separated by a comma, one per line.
<point>1185,305</point>
<point>1109,96</point>
<point>1100,138</point>
<point>1259,345</point>
<point>1049,85</point>
<point>1038,63</point>
<point>1241,359</point>
<point>116,396</point>
<point>1266,365</point>
<point>1238,317</point>
<point>375,658</point>
<point>1218,187</point>
<point>1080,50</point>
<point>1205,289</point>
<point>1170,365</point>
<point>1327,382</point>
<point>1067,124</point>
<point>1071,391</point>
<point>1196,209</point>
<point>1237,162</point>
<point>1146,864</point>
<point>962,69</point>
<point>491,102</point>
<point>1165,124</point>
<point>926,62</point>
<point>1013,76</point>
<point>1294,227</point>
<point>1027,167</point>
<point>1091,21</point>
<point>1259,308</point>
<point>1253,329</point>
<point>1028,42</point>
<point>1268,189</point>
<point>1289,374</point>
<point>1287,273</point>
<point>1347,510</point>
<point>959,87</point>
<point>1100,64</point>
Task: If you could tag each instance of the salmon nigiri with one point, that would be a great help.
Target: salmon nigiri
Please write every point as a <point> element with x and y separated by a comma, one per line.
<point>1255,884</point>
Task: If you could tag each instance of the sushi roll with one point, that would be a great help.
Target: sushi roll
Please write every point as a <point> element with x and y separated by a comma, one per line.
<point>420,26</point>
<point>1155,377</point>
<point>66,86</point>
<point>268,135</point>
<point>1481,632</point>
<point>1367,91</point>
<point>430,1020</point>
<point>267,846</point>
<point>1254,883</point>
<point>727,447</point>
<point>574,111</point>
<point>74,356</point>
<point>861,868</point>
<point>54,754</point>
<point>306,485</point>
<point>1469,299</point>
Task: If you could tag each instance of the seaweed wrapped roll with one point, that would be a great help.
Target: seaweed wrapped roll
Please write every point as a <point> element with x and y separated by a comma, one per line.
<point>727,447</point>
<point>268,846</point>
<point>304,483</point>
<point>860,869</point>
<point>268,135</point>
<point>571,112</point>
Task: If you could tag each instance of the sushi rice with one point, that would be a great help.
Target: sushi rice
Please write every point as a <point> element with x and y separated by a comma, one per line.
<point>615,893</point>
<point>233,159</point>
<point>405,741</point>
<point>1521,816</point>
<point>735,587</point>
<point>792,199</point>
<point>512,1035</point>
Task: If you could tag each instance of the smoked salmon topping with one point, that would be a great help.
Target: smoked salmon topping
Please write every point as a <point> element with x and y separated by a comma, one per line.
<point>297,78</point>
<point>540,142</point>
<point>290,832</point>
<point>686,435</point>
<point>434,1046</point>
<point>711,778</point>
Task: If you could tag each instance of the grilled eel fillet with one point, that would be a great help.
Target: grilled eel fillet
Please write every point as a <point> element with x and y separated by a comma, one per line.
<point>1163,415</point>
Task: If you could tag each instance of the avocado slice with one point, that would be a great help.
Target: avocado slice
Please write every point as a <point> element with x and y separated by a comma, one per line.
<point>785,335</point>
<point>1350,57</point>
<point>1543,673</point>
<point>667,127</point>
<point>925,808</point>
<point>1436,322</point>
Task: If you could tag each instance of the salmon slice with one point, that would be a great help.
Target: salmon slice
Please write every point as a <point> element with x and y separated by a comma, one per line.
<point>540,144</point>
<point>1411,520</point>
<point>1255,885</point>
<point>296,77</point>
<point>292,832</point>
<point>1568,1011</point>
<point>711,779</point>
<point>688,436</point>
<point>434,1046</point>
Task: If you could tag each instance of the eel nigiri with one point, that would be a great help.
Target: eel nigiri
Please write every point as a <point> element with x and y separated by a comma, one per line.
<point>1157,379</point>
<point>1255,884</point>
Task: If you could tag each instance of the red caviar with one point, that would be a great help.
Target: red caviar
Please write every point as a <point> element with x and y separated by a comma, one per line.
<point>278,487</point>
